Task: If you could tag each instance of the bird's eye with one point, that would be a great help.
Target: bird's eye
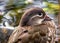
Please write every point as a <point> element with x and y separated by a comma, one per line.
<point>41,14</point>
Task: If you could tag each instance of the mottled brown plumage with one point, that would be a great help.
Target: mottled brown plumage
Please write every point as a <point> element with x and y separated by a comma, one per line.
<point>34,28</point>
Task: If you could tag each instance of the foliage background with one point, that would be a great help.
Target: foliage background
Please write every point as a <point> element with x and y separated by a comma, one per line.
<point>12,10</point>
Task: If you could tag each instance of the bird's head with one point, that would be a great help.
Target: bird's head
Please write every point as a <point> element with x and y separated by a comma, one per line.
<point>32,16</point>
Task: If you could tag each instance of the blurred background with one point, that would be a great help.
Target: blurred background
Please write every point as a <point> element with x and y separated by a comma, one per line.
<point>12,10</point>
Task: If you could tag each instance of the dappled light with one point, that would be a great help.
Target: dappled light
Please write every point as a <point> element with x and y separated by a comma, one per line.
<point>11,12</point>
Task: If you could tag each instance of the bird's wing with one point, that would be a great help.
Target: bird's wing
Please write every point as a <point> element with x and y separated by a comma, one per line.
<point>21,33</point>
<point>15,35</point>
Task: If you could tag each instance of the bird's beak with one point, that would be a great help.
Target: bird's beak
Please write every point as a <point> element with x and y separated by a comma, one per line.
<point>47,18</point>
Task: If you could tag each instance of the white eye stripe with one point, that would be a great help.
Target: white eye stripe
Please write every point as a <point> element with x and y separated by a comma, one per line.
<point>35,16</point>
<point>38,15</point>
